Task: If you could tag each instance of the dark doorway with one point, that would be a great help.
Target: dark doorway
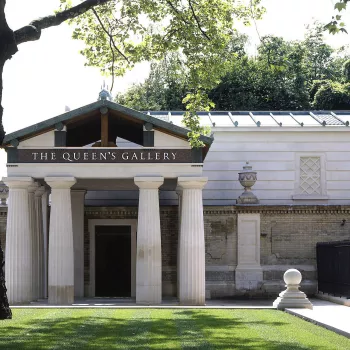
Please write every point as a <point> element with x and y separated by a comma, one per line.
<point>113,261</point>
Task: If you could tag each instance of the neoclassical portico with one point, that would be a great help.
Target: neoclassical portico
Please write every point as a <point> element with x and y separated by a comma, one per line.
<point>46,255</point>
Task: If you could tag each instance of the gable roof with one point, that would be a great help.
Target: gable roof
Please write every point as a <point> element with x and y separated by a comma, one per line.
<point>78,113</point>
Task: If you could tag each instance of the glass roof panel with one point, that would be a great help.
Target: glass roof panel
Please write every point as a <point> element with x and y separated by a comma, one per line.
<point>242,119</point>
<point>221,119</point>
<point>306,119</point>
<point>160,115</point>
<point>286,120</point>
<point>328,118</point>
<point>176,118</point>
<point>265,120</point>
<point>204,119</point>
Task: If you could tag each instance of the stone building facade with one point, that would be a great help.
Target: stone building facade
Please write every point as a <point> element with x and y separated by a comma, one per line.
<point>197,238</point>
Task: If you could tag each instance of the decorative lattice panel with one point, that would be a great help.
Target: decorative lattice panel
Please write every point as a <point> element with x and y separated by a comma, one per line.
<point>310,175</point>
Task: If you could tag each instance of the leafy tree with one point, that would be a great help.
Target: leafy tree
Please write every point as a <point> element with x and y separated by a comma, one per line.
<point>336,25</point>
<point>332,96</point>
<point>346,70</point>
<point>284,75</point>
<point>120,33</point>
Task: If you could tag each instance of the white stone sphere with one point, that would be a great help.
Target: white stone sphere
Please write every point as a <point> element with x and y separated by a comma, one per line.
<point>292,276</point>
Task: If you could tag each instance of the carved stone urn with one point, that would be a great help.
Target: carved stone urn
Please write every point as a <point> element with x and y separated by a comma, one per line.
<point>247,179</point>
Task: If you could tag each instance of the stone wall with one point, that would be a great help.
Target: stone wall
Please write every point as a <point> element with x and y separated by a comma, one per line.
<point>220,225</point>
<point>288,239</point>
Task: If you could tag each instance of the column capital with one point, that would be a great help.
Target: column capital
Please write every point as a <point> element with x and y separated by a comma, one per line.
<point>153,182</point>
<point>33,187</point>
<point>60,182</point>
<point>20,182</point>
<point>40,191</point>
<point>191,182</point>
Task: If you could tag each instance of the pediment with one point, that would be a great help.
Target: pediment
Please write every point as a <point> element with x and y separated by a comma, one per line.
<point>84,126</point>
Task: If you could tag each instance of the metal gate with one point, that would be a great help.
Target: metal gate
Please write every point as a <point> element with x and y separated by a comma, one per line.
<point>333,267</point>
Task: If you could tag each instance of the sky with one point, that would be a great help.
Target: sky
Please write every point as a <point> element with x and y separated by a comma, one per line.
<point>49,74</point>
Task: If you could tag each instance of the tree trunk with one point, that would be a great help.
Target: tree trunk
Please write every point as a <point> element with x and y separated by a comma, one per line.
<point>9,40</point>
<point>5,311</point>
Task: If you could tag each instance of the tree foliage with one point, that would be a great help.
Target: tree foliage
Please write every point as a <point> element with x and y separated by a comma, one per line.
<point>284,75</point>
<point>337,25</point>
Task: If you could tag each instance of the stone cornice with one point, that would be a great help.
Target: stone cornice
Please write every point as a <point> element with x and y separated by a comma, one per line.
<point>294,209</point>
<point>232,210</point>
<point>120,211</point>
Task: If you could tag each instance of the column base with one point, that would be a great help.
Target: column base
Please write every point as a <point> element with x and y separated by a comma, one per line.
<point>148,295</point>
<point>191,302</point>
<point>61,295</point>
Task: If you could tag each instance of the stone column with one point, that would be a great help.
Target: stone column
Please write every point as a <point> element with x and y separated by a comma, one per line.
<point>61,251</point>
<point>45,205</point>
<point>78,197</point>
<point>149,257</point>
<point>179,195</point>
<point>40,238</point>
<point>18,256</point>
<point>248,272</point>
<point>192,245</point>
<point>35,240</point>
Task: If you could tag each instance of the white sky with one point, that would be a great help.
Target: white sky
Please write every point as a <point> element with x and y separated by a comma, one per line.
<point>46,75</point>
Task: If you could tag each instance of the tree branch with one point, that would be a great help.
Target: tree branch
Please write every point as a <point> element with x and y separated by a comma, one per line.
<point>110,36</point>
<point>177,12</point>
<point>32,31</point>
<point>197,20</point>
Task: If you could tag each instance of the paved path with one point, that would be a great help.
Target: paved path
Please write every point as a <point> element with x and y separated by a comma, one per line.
<point>332,316</point>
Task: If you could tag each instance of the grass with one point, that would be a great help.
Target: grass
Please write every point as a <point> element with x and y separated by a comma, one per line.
<point>163,329</point>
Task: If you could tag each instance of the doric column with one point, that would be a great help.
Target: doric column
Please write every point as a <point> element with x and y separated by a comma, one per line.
<point>149,257</point>
<point>78,197</point>
<point>35,239</point>
<point>192,246</point>
<point>179,195</point>
<point>45,206</point>
<point>61,253</point>
<point>18,257</point>
<point>40,239</point>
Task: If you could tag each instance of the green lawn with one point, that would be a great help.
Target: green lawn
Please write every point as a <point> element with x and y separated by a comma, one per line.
<point>163,329</point>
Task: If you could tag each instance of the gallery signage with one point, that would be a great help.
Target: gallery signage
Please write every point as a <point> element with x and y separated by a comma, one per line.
<point>104,155</point>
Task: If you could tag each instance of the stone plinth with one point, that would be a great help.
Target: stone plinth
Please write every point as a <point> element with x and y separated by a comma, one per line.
<point>292,297</point>
<point>191,252</point>
<point>18,258</point>
<point>149,257</point>
<point>61,253</point>
<point>249,274</point>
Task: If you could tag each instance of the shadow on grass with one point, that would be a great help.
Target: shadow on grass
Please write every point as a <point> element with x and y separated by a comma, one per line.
<point>141,329</point>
